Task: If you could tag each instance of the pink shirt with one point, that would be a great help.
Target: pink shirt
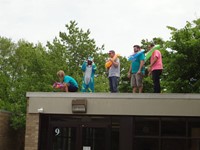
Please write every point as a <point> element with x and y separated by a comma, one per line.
<point>158,64</point>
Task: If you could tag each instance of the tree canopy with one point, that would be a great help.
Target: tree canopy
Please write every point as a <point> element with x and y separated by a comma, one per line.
<point>25,66</point>
<point>183,62</point>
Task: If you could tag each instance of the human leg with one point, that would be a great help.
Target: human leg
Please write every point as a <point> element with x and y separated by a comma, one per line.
<point>139,81</point>
<point>91,85</point>
<point>114,84</point>
<point>83,88</point>
<point>133,83</point>
<point>156,80</point>
<point>72,88</point>
<point>110,84</point>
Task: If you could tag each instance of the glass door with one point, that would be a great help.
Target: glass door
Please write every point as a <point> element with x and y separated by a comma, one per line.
<point>79,136</point>
<point>95,138</point>
<point>64,138</point>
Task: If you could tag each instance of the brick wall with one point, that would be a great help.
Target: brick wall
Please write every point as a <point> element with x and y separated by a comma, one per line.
<point>32,131</point>
<point>9,138</point>
<point>4,130</point>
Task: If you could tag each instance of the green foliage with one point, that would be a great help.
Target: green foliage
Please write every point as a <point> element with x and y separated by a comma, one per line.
<point>70,50</point>
<point>183,67</point>
<point>147,82</point>
<point>101,77</point>
<point>23,68</point>
<point>31,67</point>
<point>124,84</point>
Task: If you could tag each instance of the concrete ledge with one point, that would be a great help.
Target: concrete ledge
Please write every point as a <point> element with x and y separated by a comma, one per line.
<point>114,95</point>
<point>117,103</point>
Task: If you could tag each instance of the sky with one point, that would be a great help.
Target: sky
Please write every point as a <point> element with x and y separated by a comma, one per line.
<point>118,24</point>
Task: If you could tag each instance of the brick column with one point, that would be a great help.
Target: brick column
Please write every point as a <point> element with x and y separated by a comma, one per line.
<point>32,131</point>
<point>4,130</point>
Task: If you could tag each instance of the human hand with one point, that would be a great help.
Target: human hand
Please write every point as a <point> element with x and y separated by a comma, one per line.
<point>139,72</point>
<point>129,75</point>
<point>149,69</point>
<point>110,59</point>
<point>107,60</point>
<point>149,73</point>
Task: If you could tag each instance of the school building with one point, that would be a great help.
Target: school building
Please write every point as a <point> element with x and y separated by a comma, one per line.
<point>112,121</point>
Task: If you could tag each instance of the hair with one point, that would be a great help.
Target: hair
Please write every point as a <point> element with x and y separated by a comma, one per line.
<point>151,44</point>
<point>137,46</point>
<point>112,51</point>
<point>60,73</point>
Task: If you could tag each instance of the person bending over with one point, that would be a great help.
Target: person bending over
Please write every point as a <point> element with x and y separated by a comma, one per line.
<point>69,83</point>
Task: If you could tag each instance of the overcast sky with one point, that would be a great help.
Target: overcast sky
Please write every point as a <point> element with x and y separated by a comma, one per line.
<point>119,24</point>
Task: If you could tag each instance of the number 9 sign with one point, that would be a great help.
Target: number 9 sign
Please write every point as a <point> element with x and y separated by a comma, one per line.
<point>57,131</point>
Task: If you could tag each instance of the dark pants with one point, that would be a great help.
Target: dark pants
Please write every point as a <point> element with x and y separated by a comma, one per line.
<point>156,80</point>
<point>72,88</point>
<point>113,82</point>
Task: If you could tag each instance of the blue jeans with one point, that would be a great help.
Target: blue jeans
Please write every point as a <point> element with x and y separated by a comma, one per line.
<point>113,82</point>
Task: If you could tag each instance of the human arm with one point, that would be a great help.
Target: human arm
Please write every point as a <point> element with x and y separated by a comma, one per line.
<point>154,59</point>
<point>94,68</point>
<point>66,87</point>
<point>115,62</point>
<point>84,65</point>
<point>66,83</point>
<point>129,72</point>
<point>141,65</point>
<point>152,63</point>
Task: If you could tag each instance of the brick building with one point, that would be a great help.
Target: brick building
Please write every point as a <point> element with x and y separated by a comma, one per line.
<point>112,121</point>
<point>9,138</point>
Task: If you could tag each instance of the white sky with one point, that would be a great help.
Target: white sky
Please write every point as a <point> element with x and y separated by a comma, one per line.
<point>119,24</point>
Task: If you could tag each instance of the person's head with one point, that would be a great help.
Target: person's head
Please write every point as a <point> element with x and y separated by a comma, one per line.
<point>89,61</point>
<point>61,75</point>
<point>136,48</point>
<point>111,53</point>
<point>150,46</point>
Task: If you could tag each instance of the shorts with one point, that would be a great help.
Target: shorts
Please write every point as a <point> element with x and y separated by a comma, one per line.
<point>72,88</point>
<point>137,80</point>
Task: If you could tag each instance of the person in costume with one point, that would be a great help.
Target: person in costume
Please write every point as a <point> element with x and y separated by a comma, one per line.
<point>155,68</point>
<point>68,83</point>
<point>113,72</point>
<point>136,71</point>
<point>88,68</point>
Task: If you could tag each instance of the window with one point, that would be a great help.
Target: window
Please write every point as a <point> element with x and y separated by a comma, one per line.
<point>173,127</point>
<point>173,144</point>
<point>194,127</point>
<point>64,138</point>
<point>146,126</point>
<point>146,144</point>
<point>194,144</point>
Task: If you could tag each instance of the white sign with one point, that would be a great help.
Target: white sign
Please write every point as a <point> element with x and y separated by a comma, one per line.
<point>86,148</point>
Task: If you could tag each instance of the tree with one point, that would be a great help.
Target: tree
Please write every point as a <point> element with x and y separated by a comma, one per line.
<point>68,51</point>
<point>23,68</point>
<point>124,84</point>
<point>148,84</point>
<point>183,63</point>
<point>6,50</point>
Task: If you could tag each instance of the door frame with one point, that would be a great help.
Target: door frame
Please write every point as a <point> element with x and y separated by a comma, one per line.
<point>79,125</point>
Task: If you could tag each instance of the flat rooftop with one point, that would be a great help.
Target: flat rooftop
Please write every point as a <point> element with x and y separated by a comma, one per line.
<point>145,104</point>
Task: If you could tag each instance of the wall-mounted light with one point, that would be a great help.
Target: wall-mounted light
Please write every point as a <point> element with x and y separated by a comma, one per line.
<point>40,110</point>
<point>79,106</point>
